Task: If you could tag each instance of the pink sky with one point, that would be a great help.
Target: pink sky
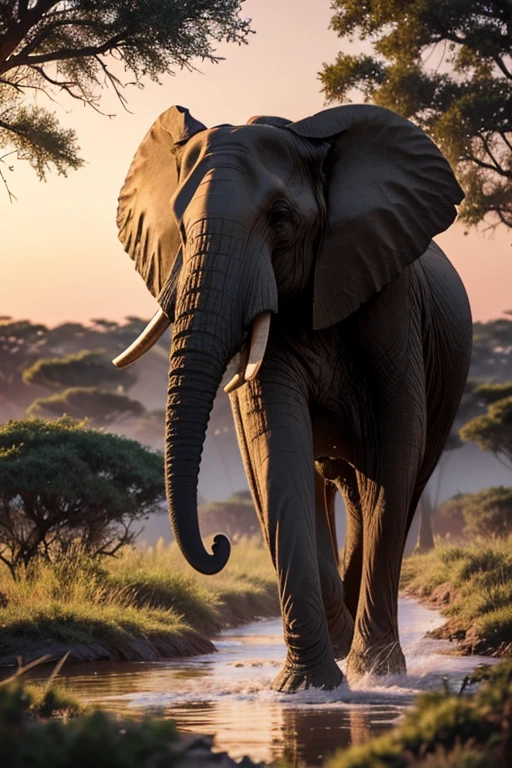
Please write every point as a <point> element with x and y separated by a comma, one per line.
<point>61,259</point>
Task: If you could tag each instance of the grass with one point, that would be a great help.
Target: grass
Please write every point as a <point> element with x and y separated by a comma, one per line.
<point>44,728</point>
<point>147,603</point>
<point>472,586</point>
<point>442,730</point>
<point>446,730</point>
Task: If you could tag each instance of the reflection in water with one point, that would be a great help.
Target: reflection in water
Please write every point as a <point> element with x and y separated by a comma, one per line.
<point>228,693</point>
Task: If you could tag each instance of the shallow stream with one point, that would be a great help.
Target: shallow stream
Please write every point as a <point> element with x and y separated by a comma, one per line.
<point>227,693</point>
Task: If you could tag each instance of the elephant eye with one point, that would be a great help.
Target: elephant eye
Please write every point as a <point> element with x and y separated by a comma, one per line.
<point>283,223</point>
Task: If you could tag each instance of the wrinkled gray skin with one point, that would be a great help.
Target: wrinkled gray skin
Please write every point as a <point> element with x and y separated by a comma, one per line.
<point>363,405</point>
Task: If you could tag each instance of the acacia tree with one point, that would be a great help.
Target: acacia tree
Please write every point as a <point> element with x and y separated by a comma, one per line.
<point>101,407</point>
<point>87,368</point>
<point>63,484</point>
<point>81,47</point>
<point>446,65</point>
<point>492,431</point>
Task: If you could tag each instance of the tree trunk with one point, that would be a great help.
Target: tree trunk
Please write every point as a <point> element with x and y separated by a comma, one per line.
<point>426,536</point>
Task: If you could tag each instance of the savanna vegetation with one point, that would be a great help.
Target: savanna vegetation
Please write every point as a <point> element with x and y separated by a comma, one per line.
<point>470,728</point>
<point>471,585</point>
<point>71,506</point>
<point>143,604</point>
<point>446,729</point>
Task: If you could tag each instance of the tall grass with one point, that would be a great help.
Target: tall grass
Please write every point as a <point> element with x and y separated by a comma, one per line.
<point>130,606</point>
<point>473,586</point>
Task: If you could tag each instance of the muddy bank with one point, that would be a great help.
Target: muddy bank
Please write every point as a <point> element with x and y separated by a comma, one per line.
<point>463,633</point>
<point>180,642</point>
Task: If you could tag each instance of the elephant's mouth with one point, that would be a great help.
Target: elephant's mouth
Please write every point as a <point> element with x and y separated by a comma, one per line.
<point>249,360</point>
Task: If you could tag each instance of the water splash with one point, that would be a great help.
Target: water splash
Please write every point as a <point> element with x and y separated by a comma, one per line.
<point>228,693</point>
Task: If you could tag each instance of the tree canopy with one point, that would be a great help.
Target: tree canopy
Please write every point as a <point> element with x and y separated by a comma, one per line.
<point>101,407</point>
<point>83,369</point>
<point>446,65</point>
<point>485,513</point>
<point>492,431</point>
<point>62,483</point>
<point>79,48</point>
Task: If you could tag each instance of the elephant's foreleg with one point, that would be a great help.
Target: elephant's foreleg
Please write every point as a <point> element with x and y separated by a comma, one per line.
<point>339,620</point>
<point>273,418</point>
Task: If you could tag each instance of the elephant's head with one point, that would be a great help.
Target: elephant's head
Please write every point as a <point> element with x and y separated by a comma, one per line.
<point>226,225</point>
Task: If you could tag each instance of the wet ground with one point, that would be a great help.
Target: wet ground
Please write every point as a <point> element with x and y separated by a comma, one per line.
<point>227,693</point>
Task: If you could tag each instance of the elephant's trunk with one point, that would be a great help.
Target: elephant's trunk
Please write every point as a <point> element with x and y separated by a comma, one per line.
<point>194,377</point>
<point>212,316</point>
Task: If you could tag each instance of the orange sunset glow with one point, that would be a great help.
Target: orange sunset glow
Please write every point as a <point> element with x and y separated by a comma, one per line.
<point>61,259</point>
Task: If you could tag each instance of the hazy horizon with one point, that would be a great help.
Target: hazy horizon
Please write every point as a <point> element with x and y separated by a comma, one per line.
<point>61,257</point>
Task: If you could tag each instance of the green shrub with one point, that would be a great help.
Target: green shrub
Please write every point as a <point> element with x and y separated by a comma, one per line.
<point>446,730</point>
<point>29,741</point>
<point>486,513</point>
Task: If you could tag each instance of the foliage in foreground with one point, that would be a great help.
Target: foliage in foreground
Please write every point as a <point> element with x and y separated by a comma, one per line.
<point>446,730</point>
<point>62,482</point>
<point>472,586</point>
<point>26,739</point>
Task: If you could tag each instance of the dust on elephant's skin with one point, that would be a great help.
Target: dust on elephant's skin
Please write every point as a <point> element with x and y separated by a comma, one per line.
<point>304,250</point>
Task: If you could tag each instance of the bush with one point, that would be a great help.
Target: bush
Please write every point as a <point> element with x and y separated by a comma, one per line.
<point>26,739</point>
<point>446,730</point>
<point>475,591</point>
<point>63,484</point>
<point>236,517</point>
<point>486,513</point>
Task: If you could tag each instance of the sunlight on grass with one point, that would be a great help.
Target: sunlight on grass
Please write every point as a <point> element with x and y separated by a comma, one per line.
<point>142,594</point>
<point>477,579</point>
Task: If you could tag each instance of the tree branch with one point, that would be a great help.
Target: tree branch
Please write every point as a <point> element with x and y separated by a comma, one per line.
<point>64,53</point>
<point>18,31</point>
<point>501,64</point>
<point>487,166</point>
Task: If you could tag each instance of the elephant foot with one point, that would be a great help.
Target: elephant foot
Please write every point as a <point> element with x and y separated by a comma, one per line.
<point>381,659</point>
<point>293,678</point>
<point>341,633</point>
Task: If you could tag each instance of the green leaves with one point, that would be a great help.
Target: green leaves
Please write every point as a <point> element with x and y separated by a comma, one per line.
<point>54,48</point>
<point>446,65</point>
<point>62,484</point>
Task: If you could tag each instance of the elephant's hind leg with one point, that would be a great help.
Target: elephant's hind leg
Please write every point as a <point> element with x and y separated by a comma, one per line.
<point>339,620</point>
<point>386,491</point>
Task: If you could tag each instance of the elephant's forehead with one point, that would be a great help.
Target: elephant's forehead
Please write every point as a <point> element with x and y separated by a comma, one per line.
<point>265,144</point>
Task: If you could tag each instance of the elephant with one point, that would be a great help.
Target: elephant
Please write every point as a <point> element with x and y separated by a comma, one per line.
<point>301,252</point>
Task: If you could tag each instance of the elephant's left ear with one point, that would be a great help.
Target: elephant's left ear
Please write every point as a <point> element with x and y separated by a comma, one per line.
<point>389,191</point>
<point>147,228</point>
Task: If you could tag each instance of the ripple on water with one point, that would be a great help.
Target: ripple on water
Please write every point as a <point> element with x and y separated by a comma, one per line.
<point>228,693</point>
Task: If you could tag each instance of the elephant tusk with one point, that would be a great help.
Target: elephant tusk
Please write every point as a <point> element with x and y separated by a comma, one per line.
<point>250,363</point>
<point>260,331</point>
<point>149,336</point>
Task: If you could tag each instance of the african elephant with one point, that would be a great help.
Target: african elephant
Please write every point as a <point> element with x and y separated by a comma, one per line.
<point>304,249</point>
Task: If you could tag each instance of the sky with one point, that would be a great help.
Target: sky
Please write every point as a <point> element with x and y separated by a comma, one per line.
<point>60,259</point>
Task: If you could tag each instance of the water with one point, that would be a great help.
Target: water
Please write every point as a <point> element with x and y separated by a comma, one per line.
<point>227,693</point>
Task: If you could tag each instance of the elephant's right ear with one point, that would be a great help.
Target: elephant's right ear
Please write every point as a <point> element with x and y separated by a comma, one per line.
<point>389,191</point>
<point>147,228</point>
